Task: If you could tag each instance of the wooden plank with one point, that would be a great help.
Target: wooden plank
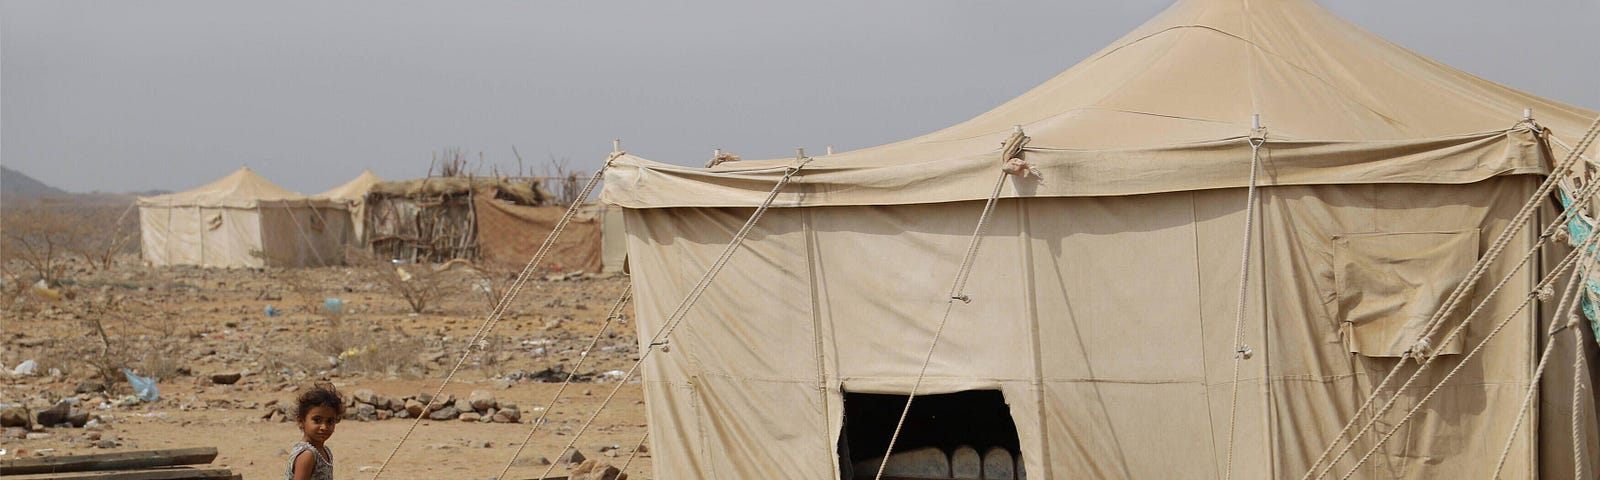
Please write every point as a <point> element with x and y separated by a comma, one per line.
<point>172,473</point>
<point>109,461</point>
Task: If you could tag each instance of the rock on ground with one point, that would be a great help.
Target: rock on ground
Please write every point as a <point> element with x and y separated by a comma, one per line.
<point>481,400</point>
<point>445,413</point>
<point>55,415</point>
<point>593,470</point>
<point>571,456</point>
<point>15,417</point>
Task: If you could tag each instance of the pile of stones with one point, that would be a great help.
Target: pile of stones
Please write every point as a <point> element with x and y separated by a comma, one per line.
<point>366,406</point>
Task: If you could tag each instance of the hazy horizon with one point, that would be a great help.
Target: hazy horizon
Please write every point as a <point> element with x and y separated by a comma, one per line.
<point>169,95</point>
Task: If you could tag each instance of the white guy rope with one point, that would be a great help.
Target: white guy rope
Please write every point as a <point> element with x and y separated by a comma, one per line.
<point>1455,298</point>
<point>500,308</point>
<point>1241,350</point>
<point>682,311</point>
<point>583,355</point>
<point>956,293</point>
<point>1570,298</point>
<point>1559,269</point>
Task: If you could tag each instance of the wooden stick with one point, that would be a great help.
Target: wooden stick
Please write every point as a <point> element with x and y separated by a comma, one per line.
<point>109,461</point>
<point>173,473</point>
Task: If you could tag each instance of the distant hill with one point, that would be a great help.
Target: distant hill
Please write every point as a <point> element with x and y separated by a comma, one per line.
<point>16,183</point>
<point>18,189</point>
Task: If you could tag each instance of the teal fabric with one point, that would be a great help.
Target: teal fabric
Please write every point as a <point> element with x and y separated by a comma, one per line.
<point>1579,229</point>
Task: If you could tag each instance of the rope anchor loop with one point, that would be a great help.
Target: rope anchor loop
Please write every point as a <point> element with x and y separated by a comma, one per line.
<point>963,298</point>
<point>1245,352</point>
<point>1011,153</point>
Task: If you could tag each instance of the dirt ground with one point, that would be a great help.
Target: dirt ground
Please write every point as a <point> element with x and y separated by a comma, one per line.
<point>182,325</point>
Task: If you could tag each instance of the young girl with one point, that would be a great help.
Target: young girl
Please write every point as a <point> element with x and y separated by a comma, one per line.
<point>317,411</point>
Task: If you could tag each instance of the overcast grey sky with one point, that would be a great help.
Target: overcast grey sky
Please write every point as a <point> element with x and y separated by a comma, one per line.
<point>123,96</point>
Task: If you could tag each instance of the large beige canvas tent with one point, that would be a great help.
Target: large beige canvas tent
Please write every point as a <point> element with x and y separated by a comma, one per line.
<point>353,194</point>
<point>242,220</point>
<point>1103,299</point>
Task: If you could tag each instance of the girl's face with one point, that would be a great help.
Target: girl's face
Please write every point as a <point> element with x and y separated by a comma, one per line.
<point>318,424</point>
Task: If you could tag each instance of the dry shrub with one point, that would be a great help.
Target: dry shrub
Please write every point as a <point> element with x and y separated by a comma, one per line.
<point>117,333</point>
<point>355,348</point>
<point>46,238</point>
<point>42,239</point>
<point>420,285</point>
<point>491,285</point>
<point>15,300</point>
<point>111,235</point>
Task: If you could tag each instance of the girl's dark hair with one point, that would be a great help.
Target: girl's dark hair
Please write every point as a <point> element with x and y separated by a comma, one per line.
<point>321,394</point>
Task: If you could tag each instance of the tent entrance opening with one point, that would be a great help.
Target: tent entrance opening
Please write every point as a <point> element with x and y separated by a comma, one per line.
<point>967,435</point>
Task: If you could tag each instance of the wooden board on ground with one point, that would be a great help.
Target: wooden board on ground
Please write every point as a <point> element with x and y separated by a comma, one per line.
<point>109,461</point>
<point>171,473</point>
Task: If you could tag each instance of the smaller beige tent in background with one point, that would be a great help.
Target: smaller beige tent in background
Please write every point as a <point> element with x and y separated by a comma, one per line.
<point>242,220</point>
<point>353,195</point>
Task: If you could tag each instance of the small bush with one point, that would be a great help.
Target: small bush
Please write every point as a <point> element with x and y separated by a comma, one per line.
<point>421,286</point>
<point>365,350</point>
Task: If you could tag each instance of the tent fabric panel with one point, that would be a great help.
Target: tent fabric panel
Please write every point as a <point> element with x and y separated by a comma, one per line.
<point>1116,284</point>
<point>336,233</point>
<point>228,237</point>
<point>634,182</point>
<point>677,444</point>
<point>886,273</point>
<point>1305,352</point>
<point>613,239</point>
<point>1025,402</point>
<point>775,343</point>
<point>284,230</point>
<point>302,235</point>
<point>721,336</point>
<point>1181,252</point>
<point>763,429</point>
<point>1381,309</point>
<point>1458,434</point>
<point>155,231</point>
<point>185,245</point>
<point>1126,430</point>
<point>670,283</point>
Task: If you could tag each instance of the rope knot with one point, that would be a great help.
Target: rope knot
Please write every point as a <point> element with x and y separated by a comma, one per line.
<point>1245,352</point>
<point>1019,167</point>
<point>963,298</point>
<point>1545,293</point>
<point>1419,351</point>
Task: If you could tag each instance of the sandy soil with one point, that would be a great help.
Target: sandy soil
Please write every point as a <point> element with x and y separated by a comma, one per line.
<point>185,324</point>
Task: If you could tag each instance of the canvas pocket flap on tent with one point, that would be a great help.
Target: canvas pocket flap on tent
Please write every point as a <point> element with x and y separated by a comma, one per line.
<point>1390,284</point>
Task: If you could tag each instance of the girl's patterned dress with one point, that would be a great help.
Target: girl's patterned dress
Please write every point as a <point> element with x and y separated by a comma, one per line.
<point>324,465</point>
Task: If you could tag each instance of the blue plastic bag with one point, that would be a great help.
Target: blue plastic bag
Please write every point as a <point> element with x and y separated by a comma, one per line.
<point>144,388</point>
<point>334,306</point>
